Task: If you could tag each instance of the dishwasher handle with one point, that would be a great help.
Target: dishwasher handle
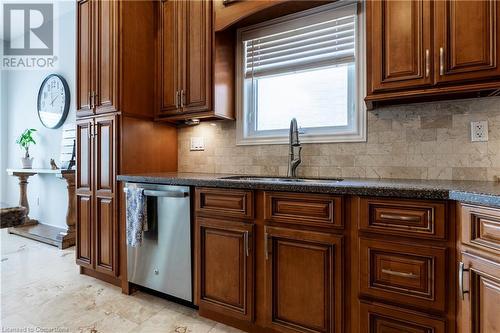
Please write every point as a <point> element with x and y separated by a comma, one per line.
<point>164,194</point>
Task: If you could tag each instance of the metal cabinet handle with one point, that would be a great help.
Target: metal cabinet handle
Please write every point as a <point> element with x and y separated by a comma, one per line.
<point>399,217</point>
<point>163,194</point>
<point>177,95</point>
<point>441,61</point>
<point>182,98</point>
<point>90,100</point>
<point>461,270</point>
<point>247,250</point>
<point>401,274</point>
<point>427,63</point>
<point>90,133</point>
<point>95,98</point>
<point>266,246</point>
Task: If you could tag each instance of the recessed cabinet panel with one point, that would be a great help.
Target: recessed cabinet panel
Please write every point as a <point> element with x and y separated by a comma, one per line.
<point>467,39</point>
<point>378,318</point>
<point>105,154</point>
<point>226,261</point>
<point>104,234</point>
<point>84,57</point>
<point>84,231</point>
<point>481,227</point>
<point>170,56</point>
<point>479,306</point>
<point>403,273</point>
<point>401,57</point>
<point>106,13</point>
<point>84,152</point>
<point>196,95</point>
<point>303,281</point>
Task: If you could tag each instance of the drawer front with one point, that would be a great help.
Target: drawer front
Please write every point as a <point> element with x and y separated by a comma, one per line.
<point>376,318</point>
<point>224,202</point>
<point>480,227</point>
<point>318,210</point>
<point>420,219</point>
<point>404,273</point>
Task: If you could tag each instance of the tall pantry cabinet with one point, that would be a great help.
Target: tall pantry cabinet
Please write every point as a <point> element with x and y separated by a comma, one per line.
<point>116,66</point>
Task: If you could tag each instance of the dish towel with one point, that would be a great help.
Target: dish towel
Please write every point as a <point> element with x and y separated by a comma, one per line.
<point>136,216</point>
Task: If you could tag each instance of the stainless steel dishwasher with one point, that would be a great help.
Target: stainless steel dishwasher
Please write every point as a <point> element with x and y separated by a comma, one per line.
<point>163,261</point>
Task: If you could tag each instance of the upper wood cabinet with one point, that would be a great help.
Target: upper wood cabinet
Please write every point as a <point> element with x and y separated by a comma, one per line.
<point>401,57</point>
<point>427,48</point>
<point>115,56</point>
<point>196,66</point>
<point>96,59</point>
<point>467,40</point>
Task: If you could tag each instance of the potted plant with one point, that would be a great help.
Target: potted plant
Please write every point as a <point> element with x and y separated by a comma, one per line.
<point>24,141</point>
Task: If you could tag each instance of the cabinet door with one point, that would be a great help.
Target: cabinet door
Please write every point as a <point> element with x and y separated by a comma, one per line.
<point>84,58</point>
<point>84,188</point>
<point>197,29</point>
<point>478,308</point>
<point>303,275</point>
<point>105,222</point>
<point>225,246</point>
<point>106,50</point>
<point>467,40</point>
<point>169,56</point>
<point>399,36</point>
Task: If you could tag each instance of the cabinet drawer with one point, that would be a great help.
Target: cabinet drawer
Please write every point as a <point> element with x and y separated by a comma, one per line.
<point>225,202</point>
<point>376,318</point>
<point>404,273</point>
<point>420,219</point>
<point>320,210</point>
<point>480,226</point>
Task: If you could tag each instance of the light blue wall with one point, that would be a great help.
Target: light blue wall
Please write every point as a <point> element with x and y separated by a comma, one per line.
<point>47,194</point>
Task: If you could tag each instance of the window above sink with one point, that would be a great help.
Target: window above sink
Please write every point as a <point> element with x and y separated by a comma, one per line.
<point>303,66</point>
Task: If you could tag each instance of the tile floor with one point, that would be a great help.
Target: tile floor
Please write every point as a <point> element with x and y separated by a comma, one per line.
<point>42,291</point>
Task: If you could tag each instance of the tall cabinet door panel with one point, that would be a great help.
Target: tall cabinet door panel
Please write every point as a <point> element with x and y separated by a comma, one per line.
<point>467,39</point>
<point>84,197</point>
<point>196,95</point>
<point>106,48</point>
<point>303,275</point>
<point>170,56</point>
<point>226,246</point>
<point>105,191</point>
<point>400,43</point>
<point>478,309</point>
<point>84,58</point>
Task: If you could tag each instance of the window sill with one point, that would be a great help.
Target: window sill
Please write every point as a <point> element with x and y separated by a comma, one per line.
<point>359,137</point>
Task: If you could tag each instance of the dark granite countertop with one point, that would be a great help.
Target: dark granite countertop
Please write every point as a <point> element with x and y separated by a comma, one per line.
<point>477,192</point>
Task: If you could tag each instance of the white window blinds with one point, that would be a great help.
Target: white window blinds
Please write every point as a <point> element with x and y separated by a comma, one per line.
<point>318,39</point>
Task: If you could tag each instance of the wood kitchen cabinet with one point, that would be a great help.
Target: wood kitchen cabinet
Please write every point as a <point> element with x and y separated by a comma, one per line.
<point>97,227</point>
<point>196,66</point>
<point>226,246</point>
<point>116,52</point>
<point>429,49</point>
<point>303,280</point>
<point>467,40</point>
<point>401,57</point>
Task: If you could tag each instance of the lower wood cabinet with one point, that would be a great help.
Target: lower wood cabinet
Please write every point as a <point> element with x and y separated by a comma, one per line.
<point>479,294</point>
<point>226,267</point>
<point>303,278</point>
<point>379,318</point>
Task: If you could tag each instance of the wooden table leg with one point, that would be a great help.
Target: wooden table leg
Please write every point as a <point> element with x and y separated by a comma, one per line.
<point>23,195</point>
<point>67,237</point>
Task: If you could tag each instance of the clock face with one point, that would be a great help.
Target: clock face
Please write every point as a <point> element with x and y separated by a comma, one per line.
<point>53,101</point>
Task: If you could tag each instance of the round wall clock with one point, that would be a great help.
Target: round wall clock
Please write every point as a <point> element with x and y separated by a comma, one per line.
<point>53,101</point>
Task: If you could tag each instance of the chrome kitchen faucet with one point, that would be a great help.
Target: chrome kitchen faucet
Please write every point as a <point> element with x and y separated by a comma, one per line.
<point>294,160</point>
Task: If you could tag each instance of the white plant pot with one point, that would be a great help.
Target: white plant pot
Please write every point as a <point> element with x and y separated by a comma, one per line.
<point>27,162</point>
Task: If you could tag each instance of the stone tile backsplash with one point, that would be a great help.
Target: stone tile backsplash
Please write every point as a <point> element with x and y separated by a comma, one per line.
<point>414,141</point>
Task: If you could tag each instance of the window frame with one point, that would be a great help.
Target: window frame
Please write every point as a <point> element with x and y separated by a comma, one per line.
<point>358,134</point>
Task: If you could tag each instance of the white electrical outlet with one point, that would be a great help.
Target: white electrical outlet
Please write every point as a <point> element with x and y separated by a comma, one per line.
<point>479,131</point>
<point>197,144</point>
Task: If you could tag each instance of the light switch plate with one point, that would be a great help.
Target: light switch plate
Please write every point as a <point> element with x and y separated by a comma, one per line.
<point>197,143</point>
<point>479,131</point>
